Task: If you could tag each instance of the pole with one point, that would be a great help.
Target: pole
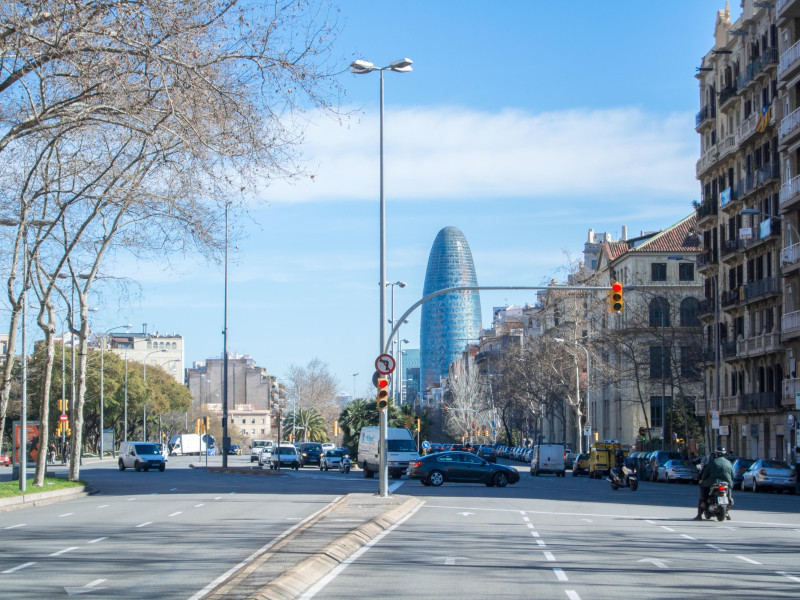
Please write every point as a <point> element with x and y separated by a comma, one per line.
<point>225,443</point>
<point>64,394</point>
<point>383,490</point>
<point>125,411</point>
<point>716,357</point>
<point>663,384</point>
<point>23,413</point>
<point>102,397</point>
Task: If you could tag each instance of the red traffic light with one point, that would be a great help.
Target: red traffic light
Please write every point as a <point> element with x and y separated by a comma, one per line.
<point>382,382</point>
<point>617,287</point>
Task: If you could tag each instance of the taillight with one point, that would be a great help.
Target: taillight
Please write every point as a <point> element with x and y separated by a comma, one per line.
<point>762,471</point>
<point>417,464</point>
<point>722,488</point>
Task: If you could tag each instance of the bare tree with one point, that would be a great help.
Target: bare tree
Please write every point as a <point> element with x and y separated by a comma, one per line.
<point>468,402</point>
<point>313,386</point>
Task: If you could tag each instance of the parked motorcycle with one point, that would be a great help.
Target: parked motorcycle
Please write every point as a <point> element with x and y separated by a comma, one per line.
<point>628,479</point>
<point>718,503</point>
<point>344,465</point>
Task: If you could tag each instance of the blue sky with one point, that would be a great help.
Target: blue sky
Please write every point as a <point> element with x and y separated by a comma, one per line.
<point>523,123</point>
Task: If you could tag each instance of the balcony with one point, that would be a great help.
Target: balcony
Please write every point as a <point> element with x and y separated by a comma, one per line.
<point>731,248</point>
<point>730,298</point>
<point>789,62</point>
<point>705,116</point>
<point>707,354</point>
<point>760,401</point>
<point>700,406</point>
<point>757,289</point>
<point>773,230</point>
<point>708,208</point>
<point>747,128</point>
<point>760,344</point>
<point>790,323</point>
<point>790,193</point>
<point>790,389</point>
<point>706,307</point>
<point>726,94</point>
<point>728,350</point>
<point>791,255</point>
<point>789,126</point>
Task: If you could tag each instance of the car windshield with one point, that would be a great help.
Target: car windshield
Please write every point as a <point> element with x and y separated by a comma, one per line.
<point>143,449</point>
<point>776,464</point>
<point>401,446</point>
<point>334,453</point>
<point>682,463</point>
<point>288,450</point>
<point>312,447</point>
<point>258,443</point>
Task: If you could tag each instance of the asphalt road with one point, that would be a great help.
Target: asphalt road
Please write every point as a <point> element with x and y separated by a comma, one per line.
<point>168,535</point>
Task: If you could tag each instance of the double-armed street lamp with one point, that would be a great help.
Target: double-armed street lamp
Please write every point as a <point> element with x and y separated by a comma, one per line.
<point>103,339</point>
<point>144,403</point>
<point>361,67</point>
<point>578,387</point>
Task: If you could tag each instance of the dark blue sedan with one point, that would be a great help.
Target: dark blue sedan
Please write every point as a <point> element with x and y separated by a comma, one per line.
<point>460,467</point>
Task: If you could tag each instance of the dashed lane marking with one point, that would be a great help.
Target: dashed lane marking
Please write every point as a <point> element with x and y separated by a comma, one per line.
<point>549,556</point>
<point>750,560</point>
<point>15,526</point>
<point>688,537</point>
<point>66,515</point>
<point>530,525</point>
<point>104,506</point>
<point>572,595</point>
<point>560,575</point>
<point>175,514</point>
<point>541,542</point>
<point>144,524</point>
<point>198,505</point>
<point>717,548</point>
<point>64,551</point>
<point>792,577</point>
<point>97,540</point>
<point>18,567</point>
<point>667,528</point>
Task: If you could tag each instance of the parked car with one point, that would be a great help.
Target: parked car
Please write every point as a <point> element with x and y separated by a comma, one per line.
<point>487,453</point>
<point>740,465</point>
<point>464,467</point>
<point>328,446</point>
<point>5,461</point>
<point>285,456</point>
<point>642,463</point>
<point>310,453</point>
<point>330,460</point>
<point>677,470</point>
<point>776,475</point>
<point>234,450</point>
<point>580,465</point>
<point>658,459</point>
<point>569,459</point>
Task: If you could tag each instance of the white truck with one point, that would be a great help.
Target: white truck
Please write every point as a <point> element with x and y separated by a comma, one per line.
<point>400,450</point>
<point>256,446</point>
<point>548,458</point>
<point>190,443</point>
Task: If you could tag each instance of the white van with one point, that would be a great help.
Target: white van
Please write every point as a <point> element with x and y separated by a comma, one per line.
<point>400,450</point>
<point>140,456</point>
<point>548,458</point>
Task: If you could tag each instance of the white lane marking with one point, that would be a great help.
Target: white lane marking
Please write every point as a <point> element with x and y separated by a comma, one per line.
<point>293,519</point>
<point>89,587</point>
<point>649,521</point>
<point>97,540</point>
<point>144,524</point>
<point>198,505</point>
<point>526,519</point>
<point>560,575</point>
<point>172,489</point>
<point>522,512</point>
<point>572,595</point>
<point>451,560</point>
<point>667,528</point>
<point>792,577</point>
<point>688,537</point>
<point>394,486</point>
<point>66,515</point>
<point>750,560</point>
<point>131,499</point>
<point>204,592</point>
<point>15,526</point>
<point>175,514</point>
<point>64,551</point>
<point>232,493</point>
<point>658,563</point>
<point>218,498</point>
<point>530,525</point>
<point>104,506</point>
<point>466,514</point>
<point>353,557</point>
<point>549,556</point>
<point>541,542</point>
<point>717,548</point>
<point>18,567</point>
<point>587,520</point>
<point>729,527</point>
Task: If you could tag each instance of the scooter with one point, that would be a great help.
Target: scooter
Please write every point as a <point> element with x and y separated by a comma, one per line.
<point>344,465</point>
<point>718,503</point>
<point>628,479</point>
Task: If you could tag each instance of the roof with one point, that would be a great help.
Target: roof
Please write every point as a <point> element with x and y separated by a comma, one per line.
<point>678,239</point>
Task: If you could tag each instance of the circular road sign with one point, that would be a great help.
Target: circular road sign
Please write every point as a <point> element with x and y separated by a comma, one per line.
<point>63,418</point>
<point>426,445</point>
<point>384,364</point>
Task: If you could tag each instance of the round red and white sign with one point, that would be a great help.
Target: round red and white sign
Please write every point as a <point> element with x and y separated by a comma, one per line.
<point>384,364</point>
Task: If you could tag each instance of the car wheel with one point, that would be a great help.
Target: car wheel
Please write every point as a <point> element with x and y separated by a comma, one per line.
<point>574,474</point>
<point>162,467</point>
<point>501,480</point>
<point>436,478</point>
<point>137,467</point>
<point>121,466</point>
<point>532,473</point>
<point>755,486</point>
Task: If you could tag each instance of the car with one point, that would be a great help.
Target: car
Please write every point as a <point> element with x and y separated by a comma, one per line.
<point>581,465</point>
<point>677,470</point>
<point>284,456</point>
<point>5,461</point>
<point>658,459</point>
<point>328,446</point>
<point>775,475</point>
<point>234,450</point>
<point>487,453</point>
<point>740,465</point>
<point>265,457</point>
<point>457,447</point>
<point>436,447</point>
<point>463,467</point>
<point>141,456</point>
<point>569,459</point>
<point>447,447</point>
<point>331,460</point>
<point>310,453</point>
<point>163,450</point>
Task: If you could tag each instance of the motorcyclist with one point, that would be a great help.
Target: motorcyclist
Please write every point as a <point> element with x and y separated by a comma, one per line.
<point>718,469</point>
<point>619,462</point>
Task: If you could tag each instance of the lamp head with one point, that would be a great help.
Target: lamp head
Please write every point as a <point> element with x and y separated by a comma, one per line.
<point>361,66</point>
<point>401,66</point>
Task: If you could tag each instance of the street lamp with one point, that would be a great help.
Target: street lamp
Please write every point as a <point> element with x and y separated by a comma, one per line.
<point>103,339</point>
<point>144,404</point>
<point>354,385</point>
<point>399,378</point>
<point>578,388</point>
<point>715,297</point>
<point>361,67</point>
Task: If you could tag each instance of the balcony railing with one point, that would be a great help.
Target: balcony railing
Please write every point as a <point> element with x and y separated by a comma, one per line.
<point>730,297</point>
<point>706,306</point>
<point>764,286</point>
<point>732,246</point>
<point>728,93</point>
<point>760,400</point>
<point>790,322</point>
<point>709,111</point>
<point>707,208</point>
<point>790,255</point>
<point>789,190</point>
<point>771,170</point>
<point>747,127</point>
<point>728,349</point>
<point>759,344</point>
<point>789,123</point>
<point>791,387</point>
<point>789,58</point>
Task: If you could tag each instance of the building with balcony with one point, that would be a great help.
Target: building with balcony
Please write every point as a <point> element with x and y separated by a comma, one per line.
<point>748,77</point>
<point>164,350</point>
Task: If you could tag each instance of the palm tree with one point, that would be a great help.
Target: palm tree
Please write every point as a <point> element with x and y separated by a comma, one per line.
<point>311,424</point>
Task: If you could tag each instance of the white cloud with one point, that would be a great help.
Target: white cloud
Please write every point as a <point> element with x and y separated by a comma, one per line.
<point>458,153</point>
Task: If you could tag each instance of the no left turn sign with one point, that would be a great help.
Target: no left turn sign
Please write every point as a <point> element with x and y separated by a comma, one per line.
<point>384,364</point>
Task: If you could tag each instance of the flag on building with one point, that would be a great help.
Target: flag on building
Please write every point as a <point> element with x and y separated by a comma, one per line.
<point>763,121</point>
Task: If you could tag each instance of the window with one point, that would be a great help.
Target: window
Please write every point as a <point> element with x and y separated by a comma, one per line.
<point>685,271</point>
<point>658,272</point>
<point>690,362</point>
<point>659,362</point>
<point>659,312</point>
<point>690,307</point>
<point>655,412</point>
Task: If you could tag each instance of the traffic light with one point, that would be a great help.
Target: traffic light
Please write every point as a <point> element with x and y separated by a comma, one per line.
<point>335,428</point>
<point>58,428</point>
<point>416,423</point>
<point>642,433</point>
<point>62,405</point>
<point>484,432</point>
<point>383,393</point>
<point>205,424</point>
<point>197,425</point>
<point>615,297</point>
<point>446,409</point>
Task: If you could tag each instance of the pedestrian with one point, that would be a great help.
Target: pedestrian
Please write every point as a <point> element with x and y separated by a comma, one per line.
<point>51,453</point>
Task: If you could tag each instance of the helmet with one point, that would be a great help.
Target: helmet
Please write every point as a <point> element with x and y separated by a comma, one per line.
<point>620,454</point>
<point>720,451</point>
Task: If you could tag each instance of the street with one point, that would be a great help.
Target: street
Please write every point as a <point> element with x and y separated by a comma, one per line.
<point>169,535</point>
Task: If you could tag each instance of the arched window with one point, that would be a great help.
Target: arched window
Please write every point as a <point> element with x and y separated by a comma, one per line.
<point>174,345</point>
<point>690,308</point>
<point>659,312</point>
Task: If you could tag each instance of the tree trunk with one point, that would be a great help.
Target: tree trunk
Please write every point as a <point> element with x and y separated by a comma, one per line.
<point>76,439</point>
<point>44,402</point>
<point>8,368</point>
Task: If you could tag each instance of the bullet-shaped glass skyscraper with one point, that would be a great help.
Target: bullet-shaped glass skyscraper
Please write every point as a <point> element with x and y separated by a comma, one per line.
<point>449,321</point>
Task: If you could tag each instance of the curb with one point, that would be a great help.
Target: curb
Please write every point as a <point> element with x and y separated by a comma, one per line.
<point>302,577</point>
<point>42,498</point>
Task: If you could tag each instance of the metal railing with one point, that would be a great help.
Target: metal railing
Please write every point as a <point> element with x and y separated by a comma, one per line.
<point>760,400</point>
<point>758,288</point>
<point>789,190</point>
<point>790,322</point>
<point>791,387</point>
<point>790,255</point>
<point>789,123</point>
<point>709,111</point>
<point>789,58</point>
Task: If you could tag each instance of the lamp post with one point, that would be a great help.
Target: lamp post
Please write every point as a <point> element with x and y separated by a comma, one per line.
<point>225,439</point>
<point>399,378</point>
<point>144,404</point>
<point>354,385</point>
<point>578,387</point>
<point>360,67</point>
<point>400,284</point>
<point>103,339</point>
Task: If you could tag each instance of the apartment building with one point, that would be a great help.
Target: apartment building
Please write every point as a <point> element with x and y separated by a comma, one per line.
<point>744,220</point>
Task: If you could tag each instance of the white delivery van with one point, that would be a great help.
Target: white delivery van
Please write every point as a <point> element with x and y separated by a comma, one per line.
<point>400,450</point>
<point>140,456</point>
<point>256,446</point>
<point>548,458</point>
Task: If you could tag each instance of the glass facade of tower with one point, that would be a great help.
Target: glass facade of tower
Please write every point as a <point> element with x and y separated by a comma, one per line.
<point>450,321</point>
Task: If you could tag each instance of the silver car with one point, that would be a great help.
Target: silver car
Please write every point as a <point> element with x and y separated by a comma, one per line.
<point>330,460</point>
<point>770,474</point>
<point>677,470</point>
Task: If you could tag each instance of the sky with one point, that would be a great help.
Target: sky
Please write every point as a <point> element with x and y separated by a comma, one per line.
<point>523,123</point>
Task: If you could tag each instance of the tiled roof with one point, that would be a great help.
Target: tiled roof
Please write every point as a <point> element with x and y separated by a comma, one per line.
<point>677,239</point>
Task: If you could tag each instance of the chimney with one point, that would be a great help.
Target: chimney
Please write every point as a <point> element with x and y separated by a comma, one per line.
<point>624,233</point>
<point>591,236</point>
<point>144,328</point>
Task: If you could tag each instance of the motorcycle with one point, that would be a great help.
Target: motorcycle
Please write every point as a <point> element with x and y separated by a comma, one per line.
<point>344,465</point>
<point>718,503</point>
<point>628,479</point>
